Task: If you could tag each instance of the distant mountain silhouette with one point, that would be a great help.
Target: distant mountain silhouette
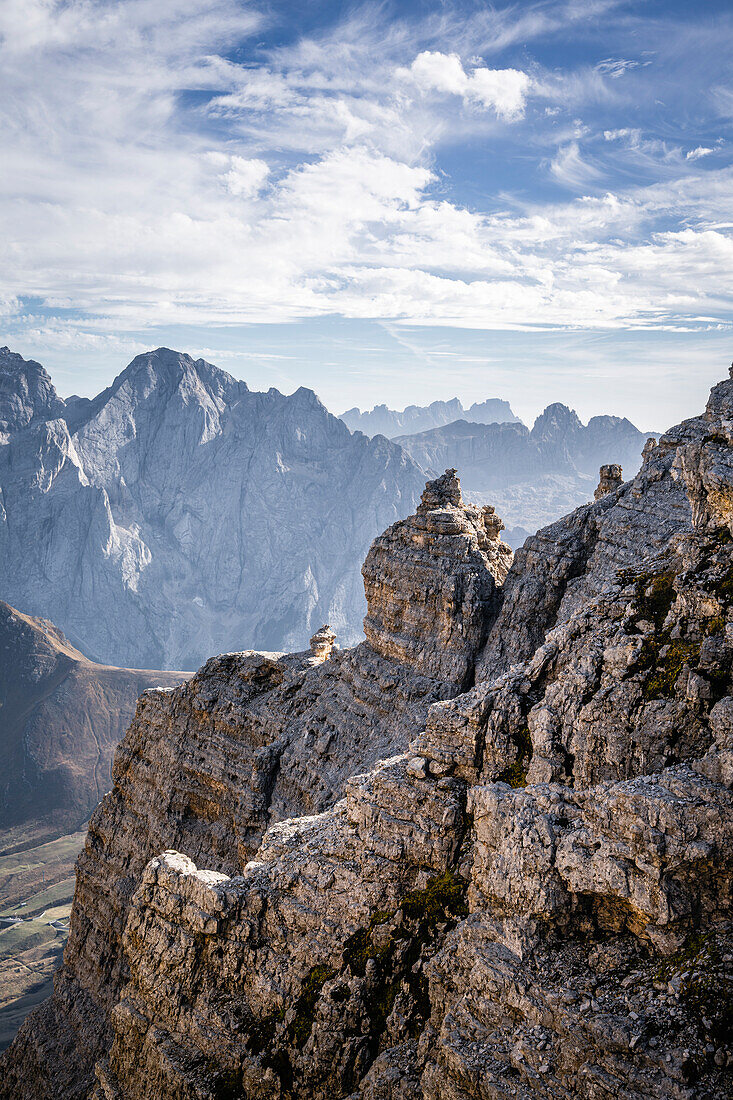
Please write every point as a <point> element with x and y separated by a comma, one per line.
<point>531,477</point>
<point>416,418</point>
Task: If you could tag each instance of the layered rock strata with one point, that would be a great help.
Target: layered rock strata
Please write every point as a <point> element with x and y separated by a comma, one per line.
<point>254,738</point>
<point>534,900</point>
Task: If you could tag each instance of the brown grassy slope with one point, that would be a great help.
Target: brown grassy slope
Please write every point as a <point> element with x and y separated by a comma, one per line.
<point>61,717</point>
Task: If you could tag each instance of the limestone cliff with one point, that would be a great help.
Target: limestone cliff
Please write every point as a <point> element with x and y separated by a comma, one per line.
<point>533,900</point>
<point>179,514</point>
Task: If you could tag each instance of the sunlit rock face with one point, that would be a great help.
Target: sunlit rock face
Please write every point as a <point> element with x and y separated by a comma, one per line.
<point>178,514</point>
<point>431,583</point>
<point>337,875</point>
<point>26,393</point>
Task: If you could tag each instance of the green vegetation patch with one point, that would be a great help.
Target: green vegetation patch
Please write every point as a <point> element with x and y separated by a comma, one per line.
<point>305,1006</point>
<point>715,626</point>
<point>516,773</point>
<point>443,898</point>
<point>420,915</point>
<point>705,983</point>
<point>655,595</point>
<point>665,671</point>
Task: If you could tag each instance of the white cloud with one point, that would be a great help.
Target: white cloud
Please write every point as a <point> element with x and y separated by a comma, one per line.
<point>245,177</point>
<point>308,181</point>
<point>701,151</point>
<point>569,167</point>
<point>616,66</point>
<point>502,90</point>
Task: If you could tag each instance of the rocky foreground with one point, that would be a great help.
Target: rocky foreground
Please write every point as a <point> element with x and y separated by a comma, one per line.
<point>485,854</point>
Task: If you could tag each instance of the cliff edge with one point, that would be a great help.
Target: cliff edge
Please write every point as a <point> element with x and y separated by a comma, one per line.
<point>485,854</point>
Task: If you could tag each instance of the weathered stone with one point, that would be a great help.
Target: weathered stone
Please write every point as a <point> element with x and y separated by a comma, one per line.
<point>611,478</point>
<point>431,584</point>
<point>322,643</point>
<point>525,891</point>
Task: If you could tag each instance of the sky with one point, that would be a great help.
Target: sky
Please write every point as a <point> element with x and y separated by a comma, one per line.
<point>387,202</point>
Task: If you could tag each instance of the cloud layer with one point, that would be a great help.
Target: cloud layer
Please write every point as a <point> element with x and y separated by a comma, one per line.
<point>193,162</point>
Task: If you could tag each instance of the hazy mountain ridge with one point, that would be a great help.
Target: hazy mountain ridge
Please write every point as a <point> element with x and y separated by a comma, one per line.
<point>531,476</point>
<point>179,514</point>
<point>382,420</point>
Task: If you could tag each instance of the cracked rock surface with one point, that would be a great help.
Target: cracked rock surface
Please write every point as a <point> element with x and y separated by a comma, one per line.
<point>486,854</point>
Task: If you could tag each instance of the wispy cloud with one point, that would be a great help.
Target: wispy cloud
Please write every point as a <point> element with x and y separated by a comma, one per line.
<point>178,163</point>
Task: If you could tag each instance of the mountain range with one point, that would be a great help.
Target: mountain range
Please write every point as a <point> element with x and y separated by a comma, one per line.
<point>486,853</point>
<point>420,418</point>
<point>179,514</point>
<point>531,476</point>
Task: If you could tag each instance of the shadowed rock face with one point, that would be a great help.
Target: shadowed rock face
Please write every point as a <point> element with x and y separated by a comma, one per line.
<point>61,718</point>
<point>533,900</point>
<point>178,514</point>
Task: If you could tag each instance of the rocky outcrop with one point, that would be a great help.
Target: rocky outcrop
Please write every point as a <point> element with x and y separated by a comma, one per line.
<point>322,643</point>
<point>61,718</point>
<point>533,900</point>
<point>255,738</point>
<point>610,478</point>
<point>415,418</point>
<point>431,584</point>
<point>178,514</point>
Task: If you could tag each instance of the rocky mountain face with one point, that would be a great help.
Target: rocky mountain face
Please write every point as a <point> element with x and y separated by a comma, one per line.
<point>27,393</point>
<point>514,876</point>
<point>178,514</point>
<point>530,476</point>
<point>416,418</point>
<point>61,718</point>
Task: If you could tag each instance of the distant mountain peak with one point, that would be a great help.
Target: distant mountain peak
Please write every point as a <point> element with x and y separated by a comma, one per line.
<point>382,420</point>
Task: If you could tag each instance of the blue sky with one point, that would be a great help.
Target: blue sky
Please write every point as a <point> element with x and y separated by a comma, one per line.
<point>386,202</point>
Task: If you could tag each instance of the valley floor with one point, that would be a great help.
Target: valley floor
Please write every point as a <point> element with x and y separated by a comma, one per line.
<point>36,891</point>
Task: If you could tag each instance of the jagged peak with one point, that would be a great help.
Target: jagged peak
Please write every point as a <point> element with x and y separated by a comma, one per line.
<point>169,364</point>
<point>556,416</point>
<point>27,393</point>
<point>308,398</point>
<point>444,490</point>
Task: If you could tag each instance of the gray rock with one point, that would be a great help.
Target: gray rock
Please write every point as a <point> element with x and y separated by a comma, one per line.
<point>352,878</point>
<point>415,418</point>
<point>178,514</point>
